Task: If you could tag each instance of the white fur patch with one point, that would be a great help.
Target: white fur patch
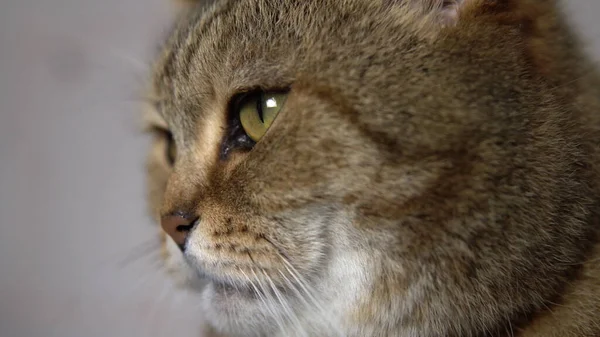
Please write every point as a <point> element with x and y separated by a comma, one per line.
<point>177,266</point>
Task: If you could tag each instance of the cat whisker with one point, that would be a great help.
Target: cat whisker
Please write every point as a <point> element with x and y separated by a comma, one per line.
<point>265,299</point>
<point>302,283</point>
<point>299,294</point>
<point>269,296</point>
<point>254,287</point>
<point>286,306</point>
<point>145,249</point>
<point>151,255</point>
<point>262,295</point>
<point>158,302</point>
<point>140,65</point>
<point>258,292</point>
<point>589,73</point>
<point>308,291</point>
<point>292,285</point>
<point>137,100</point>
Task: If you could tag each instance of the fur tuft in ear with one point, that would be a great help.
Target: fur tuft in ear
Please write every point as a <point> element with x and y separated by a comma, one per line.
<point>450,12</point>
<point>446,12</point>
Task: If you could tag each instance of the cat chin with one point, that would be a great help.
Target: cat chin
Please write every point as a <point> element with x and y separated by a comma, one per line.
<point>232,310</point>
<point>235,311</point>
<point>240,311</point>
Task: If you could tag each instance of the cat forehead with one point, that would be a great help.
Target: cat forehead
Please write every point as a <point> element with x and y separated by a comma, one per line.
<point>216,38</point>
<point>210,41</point>
<point>228,46</point>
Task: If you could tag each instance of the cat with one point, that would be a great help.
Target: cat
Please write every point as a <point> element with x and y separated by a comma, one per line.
<point>379,167</point>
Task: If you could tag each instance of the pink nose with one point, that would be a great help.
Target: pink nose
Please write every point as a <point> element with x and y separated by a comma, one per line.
<point>178,226</point>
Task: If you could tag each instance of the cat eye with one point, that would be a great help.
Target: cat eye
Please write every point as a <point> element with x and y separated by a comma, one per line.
<point>257,111</point>
<point>171,149</point>
<point>250,116</point>
<point>165,137</point>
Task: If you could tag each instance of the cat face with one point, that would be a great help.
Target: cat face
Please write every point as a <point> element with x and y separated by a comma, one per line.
<point>358,168</point>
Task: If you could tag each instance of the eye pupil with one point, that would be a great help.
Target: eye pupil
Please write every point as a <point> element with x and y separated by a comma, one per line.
<point>259,107</point>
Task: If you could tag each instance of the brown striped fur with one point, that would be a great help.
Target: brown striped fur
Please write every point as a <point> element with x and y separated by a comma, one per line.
<point>434,171</point>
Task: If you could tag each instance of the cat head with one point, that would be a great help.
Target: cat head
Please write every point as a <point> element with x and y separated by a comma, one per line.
<point>362,168</point>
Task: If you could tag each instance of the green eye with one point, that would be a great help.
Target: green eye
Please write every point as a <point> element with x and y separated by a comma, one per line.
<point>258,111</point>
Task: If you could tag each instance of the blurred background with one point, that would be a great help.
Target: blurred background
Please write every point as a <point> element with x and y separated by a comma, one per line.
<point>76,252</point>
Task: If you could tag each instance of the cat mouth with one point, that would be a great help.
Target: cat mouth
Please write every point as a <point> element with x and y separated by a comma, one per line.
<point>246,283</point>
<point>230,288</point>
<point>247,290</point>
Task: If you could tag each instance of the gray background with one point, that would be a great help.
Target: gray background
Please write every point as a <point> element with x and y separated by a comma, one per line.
<point>71,170</point>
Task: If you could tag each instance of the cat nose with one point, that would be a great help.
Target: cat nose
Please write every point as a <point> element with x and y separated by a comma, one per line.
<point>178,225</point>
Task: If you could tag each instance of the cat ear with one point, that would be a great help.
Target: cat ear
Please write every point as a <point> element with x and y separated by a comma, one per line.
<point>450,12</point>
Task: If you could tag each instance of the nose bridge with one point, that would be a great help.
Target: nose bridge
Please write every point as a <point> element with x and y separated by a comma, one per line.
<point>199,204</point>
<point>182,193</point>
<point>187,186</point>
<point>195,162</point>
